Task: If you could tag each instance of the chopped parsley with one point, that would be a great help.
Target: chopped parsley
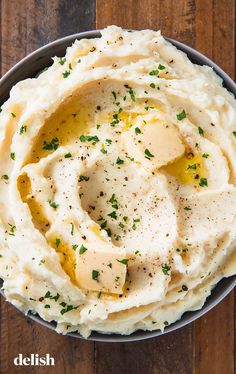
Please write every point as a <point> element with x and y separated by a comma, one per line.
<point>68,155</point>
<point>13,115</point>
<point>116,118</point>
<point>148,154</point>
<point>47,295</point>
<point>205,155</point>
<point>72,229</point>
<point>89,138</point>
<point>83,178</point>
<point>161,67</point>
<point>13,155</point>
<point>114,95</point>
<point>23,130</point>
<point>113,214</point>
<point>53,204</point>
<point>82,249</point>
<point>103,225</point>
<point>152,85</point>
<point>192,167</point>
<point>5,177</point>
<point>203,182</point>
<point>47,306</point>
<point>201,131</point>
<point>187,208</point>
<point>165,268</point>
<point>154,72</point>
<point>119,161</point>
<point>99,294</point>
<point>108,141</point>
<point>61,60</point>
<point>104,151</point>
<point>113,199</point>
<point>74,247</point>
<point>234,134</point>
<point>68,308</point>
<point>66,74</point>
<point>109,233</point>
<point>131,92</point>
<point>58,241</point>
<point>124,261</point>
<point>52,145</point>
<point>137,131</point>
<point>181,115</point>
<point>12,229</point>
<point>41,262</point>
<point>95,275</point>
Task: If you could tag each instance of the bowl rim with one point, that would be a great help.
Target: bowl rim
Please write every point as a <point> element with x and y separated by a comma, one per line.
<point>228,283</point>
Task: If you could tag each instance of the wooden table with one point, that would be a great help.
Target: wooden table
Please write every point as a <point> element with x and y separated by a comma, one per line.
<point>204,347</point>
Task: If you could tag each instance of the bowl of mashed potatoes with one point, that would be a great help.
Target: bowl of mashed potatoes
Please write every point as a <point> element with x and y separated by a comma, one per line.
<point>117,185</point>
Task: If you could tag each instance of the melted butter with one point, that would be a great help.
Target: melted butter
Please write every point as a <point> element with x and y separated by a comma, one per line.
<point>67,257</point>
<point>38,217</point>
<point>184,169</point>
<point>97,231</point>
<point>67,123</point>
<point>128,118</point>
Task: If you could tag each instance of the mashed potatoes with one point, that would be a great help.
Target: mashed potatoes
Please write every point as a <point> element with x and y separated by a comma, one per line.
<point>117,186</point>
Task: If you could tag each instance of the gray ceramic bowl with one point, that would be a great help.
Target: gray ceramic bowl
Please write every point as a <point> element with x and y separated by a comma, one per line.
<point>29,67</point>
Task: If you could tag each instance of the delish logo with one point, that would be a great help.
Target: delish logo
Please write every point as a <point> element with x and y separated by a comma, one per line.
<point>34,360</point>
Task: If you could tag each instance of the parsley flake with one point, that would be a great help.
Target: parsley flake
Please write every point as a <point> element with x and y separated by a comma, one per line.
<point>165,268</point>
<point>23,130</point>
<point>181,115</point>
<point>203,182</point>
<point>66,74</point>
<point>82,249</point>
<point>148,154</point>
<point>89,138</point>
<point>124,261</point>
<point>53,204</point>
<point>83,178</point>
<point>52,145</point>
<point>61,60</point>
<point>113,214</point>
<point>201,131</point>
<point>68,155</point>
<point>119,161</point>
<point>95,275</point>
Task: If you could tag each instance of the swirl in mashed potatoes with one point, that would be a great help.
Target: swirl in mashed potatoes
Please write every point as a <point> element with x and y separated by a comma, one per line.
<point>117,186</point>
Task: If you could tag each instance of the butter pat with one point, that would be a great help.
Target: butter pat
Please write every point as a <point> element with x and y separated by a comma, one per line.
<point>156,145</point>
<point>102,269</point>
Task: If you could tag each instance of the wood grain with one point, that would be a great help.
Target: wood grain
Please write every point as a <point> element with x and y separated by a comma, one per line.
<point>214,333</point>
<point>205,347</point>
